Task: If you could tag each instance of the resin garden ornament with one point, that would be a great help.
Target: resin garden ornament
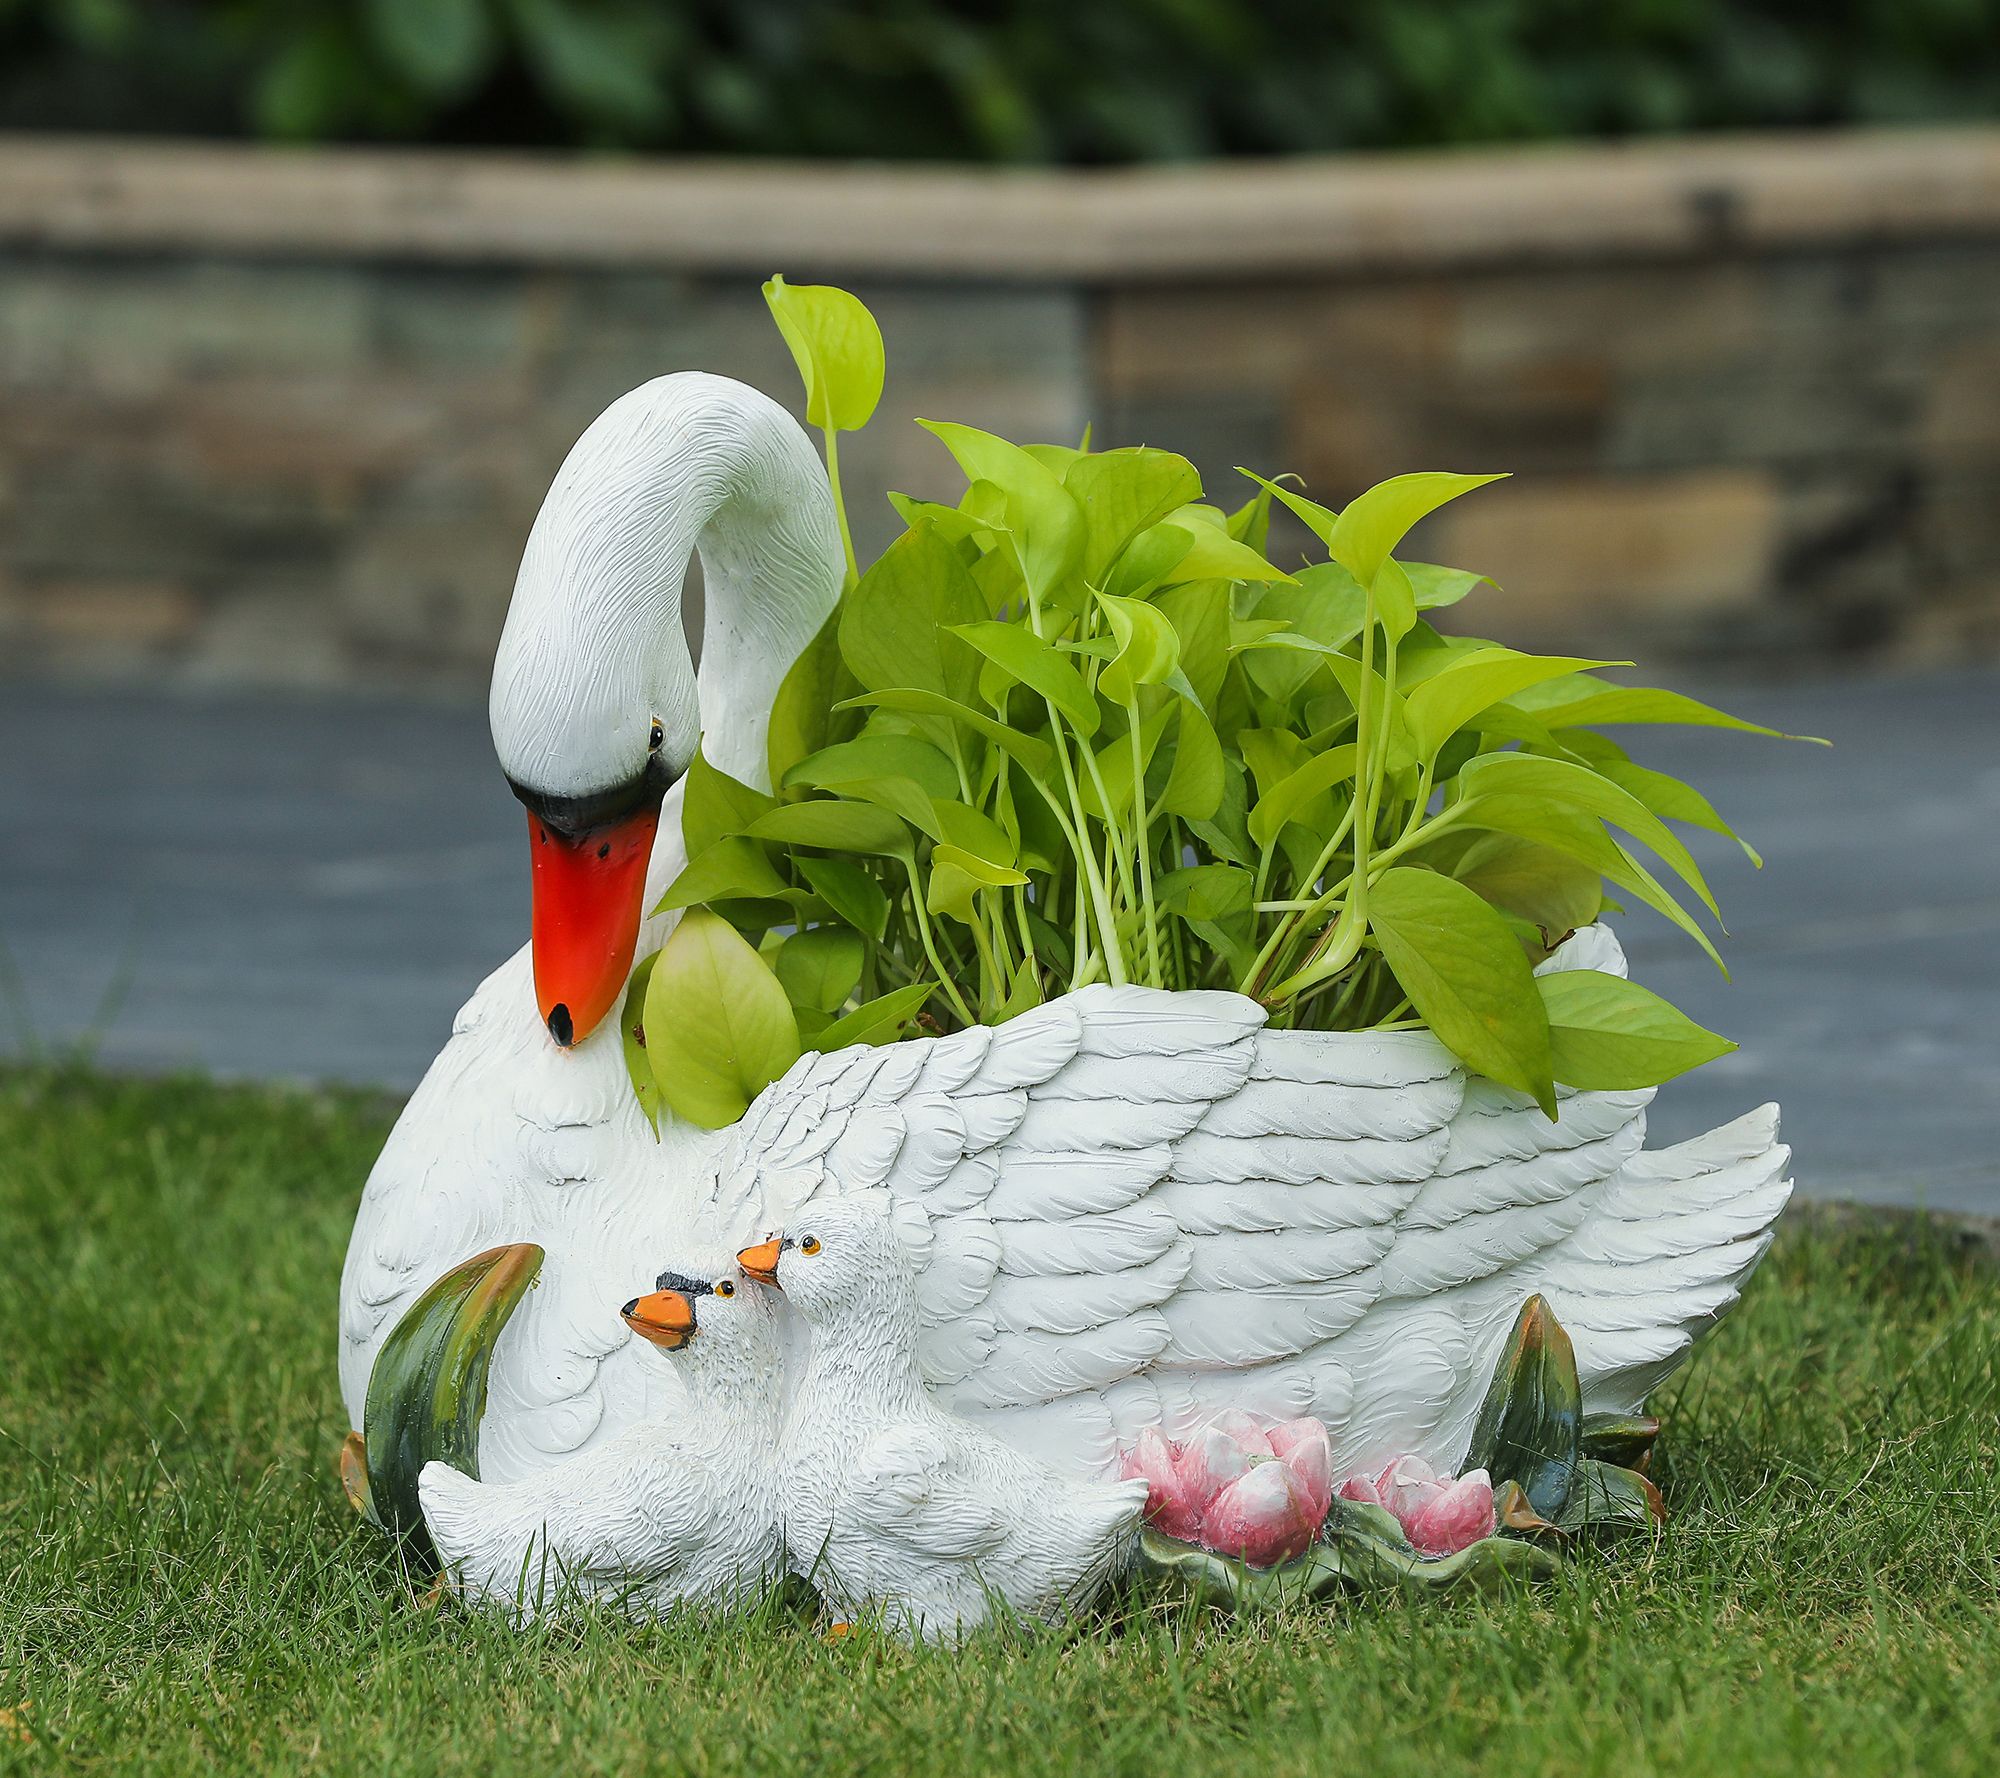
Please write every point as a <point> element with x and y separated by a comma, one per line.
<point>1197,963</point>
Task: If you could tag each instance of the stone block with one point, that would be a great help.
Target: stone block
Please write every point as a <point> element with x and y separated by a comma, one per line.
<point>1601,557</point>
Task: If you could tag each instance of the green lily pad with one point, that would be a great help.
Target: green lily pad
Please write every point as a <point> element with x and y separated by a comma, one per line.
<point>1529,1428</point>
<point>427,1390</point>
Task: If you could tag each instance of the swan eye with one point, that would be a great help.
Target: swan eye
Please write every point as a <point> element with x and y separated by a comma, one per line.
<point>656,738</point>
<point>723,1287</point>
<point>810,1244</point>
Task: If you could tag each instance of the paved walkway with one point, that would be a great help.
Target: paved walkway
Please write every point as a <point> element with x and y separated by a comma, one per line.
<point>304,888</point>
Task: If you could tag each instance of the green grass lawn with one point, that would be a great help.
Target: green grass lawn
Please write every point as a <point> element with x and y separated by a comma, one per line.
<point>184,1583</point>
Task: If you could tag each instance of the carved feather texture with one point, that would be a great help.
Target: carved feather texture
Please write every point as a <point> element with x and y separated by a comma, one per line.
<point>1201,1213</point>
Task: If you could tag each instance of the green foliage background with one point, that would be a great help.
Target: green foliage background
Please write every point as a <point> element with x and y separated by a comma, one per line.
<point>1007,80</point>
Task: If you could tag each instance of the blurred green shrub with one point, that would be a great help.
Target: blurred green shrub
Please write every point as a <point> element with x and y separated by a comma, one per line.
<point>1006,80</point>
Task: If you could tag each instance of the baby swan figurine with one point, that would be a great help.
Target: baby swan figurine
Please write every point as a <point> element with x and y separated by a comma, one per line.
<point>677,1509</point>
<point>891,1502</point>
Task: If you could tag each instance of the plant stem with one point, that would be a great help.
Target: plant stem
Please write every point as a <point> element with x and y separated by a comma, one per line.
<point>930,945</point>
<point>1145,850</point>
<point>839,505</point>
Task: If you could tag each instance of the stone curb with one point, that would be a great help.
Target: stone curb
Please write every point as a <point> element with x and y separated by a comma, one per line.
<point>1229,221</point>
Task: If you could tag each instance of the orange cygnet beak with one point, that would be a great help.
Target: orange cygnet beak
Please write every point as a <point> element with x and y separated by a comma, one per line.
<point>665,1317</point>
<point>761,1262</point>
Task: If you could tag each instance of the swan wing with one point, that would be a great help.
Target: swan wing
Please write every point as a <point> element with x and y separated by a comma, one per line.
<point>909,1494</point>
<point>1133,1208</point>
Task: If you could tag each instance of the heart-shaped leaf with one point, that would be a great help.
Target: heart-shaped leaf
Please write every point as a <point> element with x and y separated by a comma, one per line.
<point>719,1027</point>
<point>838,348</point>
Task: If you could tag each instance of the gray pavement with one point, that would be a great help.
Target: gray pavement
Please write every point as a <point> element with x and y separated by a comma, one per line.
<point>307,888</point>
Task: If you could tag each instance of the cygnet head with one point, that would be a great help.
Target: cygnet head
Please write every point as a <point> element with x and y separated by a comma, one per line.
<point>839,1256</point>
<point>718,1322</point>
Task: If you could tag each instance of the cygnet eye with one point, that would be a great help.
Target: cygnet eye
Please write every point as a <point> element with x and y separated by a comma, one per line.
<point>810,1244</point>
<point>723,1287</point>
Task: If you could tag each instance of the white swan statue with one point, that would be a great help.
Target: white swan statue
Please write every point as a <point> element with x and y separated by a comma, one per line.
<point>1125,1208</point>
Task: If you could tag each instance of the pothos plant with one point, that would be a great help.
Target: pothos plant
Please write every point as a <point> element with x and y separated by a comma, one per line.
<point>1082,727</point>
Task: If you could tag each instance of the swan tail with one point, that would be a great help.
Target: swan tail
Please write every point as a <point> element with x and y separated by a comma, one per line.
<point>1665,1250</point>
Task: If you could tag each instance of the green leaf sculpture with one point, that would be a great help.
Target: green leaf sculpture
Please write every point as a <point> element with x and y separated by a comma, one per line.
<point>1530,1425</point>
<point>427,1390</point>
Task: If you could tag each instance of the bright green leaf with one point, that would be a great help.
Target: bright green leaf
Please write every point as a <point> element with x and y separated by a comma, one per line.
<point>1292,793</point>
<point>1149,650</point>
<point>1194,785</point>
<point>1319,520</point>
<point>719,1028</point>
<point>1372,524</point>
<point>728,869</point>
<point>1469,981</point>
<point>849,891</point>
<point>876,756</point>
<point>836,826</point>
<point>1608,1034</point>
<point>1122,492</point>
<point>632,1036</point>
<point>1547,888</point>
<point>1569,785</point>
<point>715,805</point>
<point>1439,707</point>
<point>1020,653</point>
<point>819,968</point>
<point>957,876</point>
<point>876,1021</point>
<point>895,623</point>
<point>837,347</point>
<point>1031,751</point>
<point>1045,526</point>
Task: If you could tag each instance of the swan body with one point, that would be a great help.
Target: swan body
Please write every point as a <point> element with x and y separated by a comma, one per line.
<point>892,1504</point>
<point>683,1510</point>
<point>1124,1208</point>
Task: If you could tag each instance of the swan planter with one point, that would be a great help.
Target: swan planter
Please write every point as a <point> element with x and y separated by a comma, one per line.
<point>715,1245</point>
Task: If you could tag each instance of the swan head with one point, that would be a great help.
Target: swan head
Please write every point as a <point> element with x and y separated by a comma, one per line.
<point>595,716</point>
<point>841,1259</point>
<point>596,709</point>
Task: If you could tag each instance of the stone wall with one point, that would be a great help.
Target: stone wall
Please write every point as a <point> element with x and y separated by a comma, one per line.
<point>286,419</point>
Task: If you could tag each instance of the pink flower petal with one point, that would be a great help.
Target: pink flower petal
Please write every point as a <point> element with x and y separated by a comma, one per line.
<point>1168,1503</point>
<point>1310,1459</point>
<point>1363,1489</point>
<point>1246,1432</point>
<point>1260,1518</point>
<point>1460,1515</point>
<point>1294,1432</point>
<point>1407,1484</point>
<point>1208,1463</point>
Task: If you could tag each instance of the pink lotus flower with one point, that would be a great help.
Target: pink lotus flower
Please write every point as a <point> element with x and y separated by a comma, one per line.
<point>1439,1515</point>
<point>1238,1488</point>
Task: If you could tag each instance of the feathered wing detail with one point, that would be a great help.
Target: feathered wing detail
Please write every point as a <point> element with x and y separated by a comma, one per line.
<point>1132,1208</point>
